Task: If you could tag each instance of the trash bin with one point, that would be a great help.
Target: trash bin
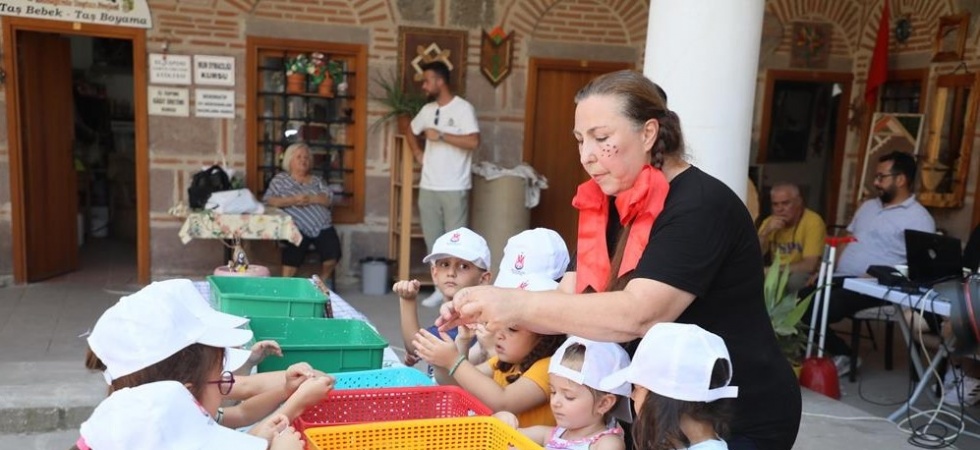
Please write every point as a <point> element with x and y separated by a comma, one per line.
<point>501,202</point>
<point>374,275</point>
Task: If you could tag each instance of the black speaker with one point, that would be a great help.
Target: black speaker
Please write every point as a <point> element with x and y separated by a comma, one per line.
<point>964,299</point>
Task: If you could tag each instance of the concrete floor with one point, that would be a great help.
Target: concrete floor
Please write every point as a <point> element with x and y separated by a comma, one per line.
<point>45,390</point>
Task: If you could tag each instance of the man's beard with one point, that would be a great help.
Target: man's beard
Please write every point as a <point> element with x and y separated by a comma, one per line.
<point>886,195</point>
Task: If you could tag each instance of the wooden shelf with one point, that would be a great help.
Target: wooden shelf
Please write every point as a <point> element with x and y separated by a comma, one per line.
<point>402,229</point>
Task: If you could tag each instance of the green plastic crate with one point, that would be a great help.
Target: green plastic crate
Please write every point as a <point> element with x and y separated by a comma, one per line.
<point>267,297</point>
<point>330,345</point>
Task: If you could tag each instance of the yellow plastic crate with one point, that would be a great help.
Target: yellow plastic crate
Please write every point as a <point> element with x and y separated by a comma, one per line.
<point>463,433</point>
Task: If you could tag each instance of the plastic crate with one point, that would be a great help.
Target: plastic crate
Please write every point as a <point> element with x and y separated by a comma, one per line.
<point>466,433</point>
<point>377,405</point>
<point>267,297</point>
<point>330,345</point>
<point>382,378</point>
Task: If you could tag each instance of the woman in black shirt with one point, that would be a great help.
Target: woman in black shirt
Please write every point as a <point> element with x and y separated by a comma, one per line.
<point>659,241</point>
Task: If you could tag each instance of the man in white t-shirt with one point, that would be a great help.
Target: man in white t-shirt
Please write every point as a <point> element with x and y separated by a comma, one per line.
<point>451,134</point>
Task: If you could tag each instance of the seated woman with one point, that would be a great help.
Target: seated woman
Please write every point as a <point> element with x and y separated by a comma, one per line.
<point>306,198</point>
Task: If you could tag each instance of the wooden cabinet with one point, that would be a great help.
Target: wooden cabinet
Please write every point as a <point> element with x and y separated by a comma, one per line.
<point>330,119</point>
<point>406,244</point>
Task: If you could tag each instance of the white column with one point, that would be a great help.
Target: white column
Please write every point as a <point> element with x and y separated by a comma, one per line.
<point>705,55</point>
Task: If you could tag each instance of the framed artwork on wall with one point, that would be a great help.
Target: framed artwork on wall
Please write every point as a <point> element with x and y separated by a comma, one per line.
<point>889,132</point>
<point>417,46</point>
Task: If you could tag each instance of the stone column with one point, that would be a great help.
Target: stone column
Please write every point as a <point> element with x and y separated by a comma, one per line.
<point>705,55</point>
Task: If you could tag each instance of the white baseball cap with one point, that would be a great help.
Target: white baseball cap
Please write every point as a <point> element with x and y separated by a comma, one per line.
<point>160,415</point>
<point>461,243</point>
<point>601,360</point>
<point>676,360</point>
<point>184,292</point>
<point>539,251</point>
<point>530,282</point>
<point>145,328</point>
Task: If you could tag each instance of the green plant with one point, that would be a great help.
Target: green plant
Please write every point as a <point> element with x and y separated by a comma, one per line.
<point>397,100</point>
<point>785,311</point>
<point>297,64</point>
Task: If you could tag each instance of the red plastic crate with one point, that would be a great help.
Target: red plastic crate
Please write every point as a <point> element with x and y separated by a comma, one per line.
<point>379,405</point>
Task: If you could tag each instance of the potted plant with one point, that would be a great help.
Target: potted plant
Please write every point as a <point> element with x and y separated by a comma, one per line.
<point>296,70</point>
<point>785,312</point>
<point>402,105</point>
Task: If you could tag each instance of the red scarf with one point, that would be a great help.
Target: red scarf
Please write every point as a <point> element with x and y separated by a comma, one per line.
<point>639,205</point>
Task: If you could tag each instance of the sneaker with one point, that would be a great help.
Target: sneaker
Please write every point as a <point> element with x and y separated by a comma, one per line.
<point>434,300</point>
<point>843,364</point>
<point>969,387</point>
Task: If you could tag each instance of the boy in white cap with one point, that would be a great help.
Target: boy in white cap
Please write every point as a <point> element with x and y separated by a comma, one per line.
<point>681,377</point>
<point>459,259</point>
<point>165,415</point>
<point>586,415</point>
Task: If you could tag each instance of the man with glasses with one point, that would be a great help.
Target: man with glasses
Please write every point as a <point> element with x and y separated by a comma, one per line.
<point>451,134</point>
<point>879,226</point>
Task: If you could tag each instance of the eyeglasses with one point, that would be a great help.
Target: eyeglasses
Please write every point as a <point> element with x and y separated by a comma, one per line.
<point>225,383</point>
<point>437,116</point>
<point>882,176</point>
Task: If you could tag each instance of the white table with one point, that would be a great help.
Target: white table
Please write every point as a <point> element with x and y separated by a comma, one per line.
<point>341,310</point>
<point>928,301</point>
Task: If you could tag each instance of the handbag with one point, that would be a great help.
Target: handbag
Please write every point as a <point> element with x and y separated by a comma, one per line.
<point>212,179</point>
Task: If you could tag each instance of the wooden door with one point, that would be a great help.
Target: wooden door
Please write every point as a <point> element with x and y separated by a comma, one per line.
<point>47,132</point>
<point>549,145</point>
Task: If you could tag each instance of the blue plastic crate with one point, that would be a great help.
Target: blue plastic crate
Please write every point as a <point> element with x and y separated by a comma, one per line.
<point>382,378</point>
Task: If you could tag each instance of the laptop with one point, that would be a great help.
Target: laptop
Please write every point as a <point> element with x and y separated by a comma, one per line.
<point>932,257</point>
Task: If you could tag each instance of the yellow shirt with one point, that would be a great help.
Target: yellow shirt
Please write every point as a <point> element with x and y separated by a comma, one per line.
<point>804,239</point>
<point>538,373</point>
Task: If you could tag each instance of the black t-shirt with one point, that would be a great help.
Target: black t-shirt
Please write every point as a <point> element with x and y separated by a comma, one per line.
<point>704,243</point>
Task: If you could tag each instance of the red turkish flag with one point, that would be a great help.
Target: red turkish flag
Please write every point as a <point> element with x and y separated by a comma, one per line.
<point>878,72</point>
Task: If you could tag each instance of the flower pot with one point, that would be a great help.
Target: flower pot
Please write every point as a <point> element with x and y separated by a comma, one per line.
<point>295,83</point>
<point>326,87</point>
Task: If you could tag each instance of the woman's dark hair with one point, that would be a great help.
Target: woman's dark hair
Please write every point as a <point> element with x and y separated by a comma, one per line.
<point>439,68</point>
<point>902,164</point>
<point>546,346</point>
<point>191,365</point>
<point>658,424</point>
<point>642,100</point>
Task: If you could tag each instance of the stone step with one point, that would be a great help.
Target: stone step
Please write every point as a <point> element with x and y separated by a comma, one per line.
<point>38,397</point>
<point>57,440</point>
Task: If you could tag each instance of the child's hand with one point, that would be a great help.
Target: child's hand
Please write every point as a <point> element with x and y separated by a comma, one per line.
<point>288,439</point>
<point>486,339</point>
<point>313,390</point>
<point>407,290</point>
<point>440,352</point>
<point>507,417</point>
<point>411,360</point>
<point>270,427</point>
<point>262,349</point>
<point>296,374</point>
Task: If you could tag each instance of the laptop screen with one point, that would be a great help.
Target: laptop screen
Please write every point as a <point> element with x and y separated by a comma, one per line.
<point>932,257</point>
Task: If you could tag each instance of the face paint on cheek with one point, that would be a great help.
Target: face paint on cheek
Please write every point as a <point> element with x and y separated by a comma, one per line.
<point>609,150</point>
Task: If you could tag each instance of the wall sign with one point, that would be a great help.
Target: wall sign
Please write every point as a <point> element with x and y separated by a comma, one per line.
<point>214,70</point>
<point>168,101</point>
<point>124,13</point>
<point>170,69</point>
<point>217,103</point>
